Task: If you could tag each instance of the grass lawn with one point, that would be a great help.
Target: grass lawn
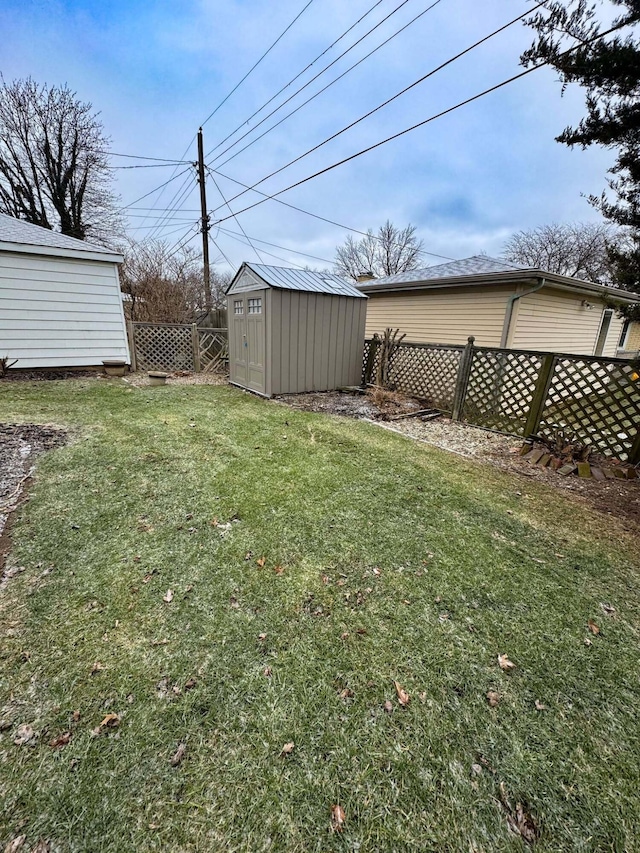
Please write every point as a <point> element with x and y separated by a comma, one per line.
<point>384,560</point>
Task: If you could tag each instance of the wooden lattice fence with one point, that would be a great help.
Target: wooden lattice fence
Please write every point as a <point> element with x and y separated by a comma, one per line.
<point>424,370</point>
<point>172,346</point>
<point>593,399</point>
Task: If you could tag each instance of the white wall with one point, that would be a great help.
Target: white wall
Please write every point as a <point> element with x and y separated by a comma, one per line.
<point>60,312</point>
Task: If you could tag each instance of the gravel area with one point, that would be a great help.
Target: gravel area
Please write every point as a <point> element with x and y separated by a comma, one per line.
<point>181,377</point>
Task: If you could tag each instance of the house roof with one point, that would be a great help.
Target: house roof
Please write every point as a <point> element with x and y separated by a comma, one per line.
<point>481,270</point>
<point>17,235</point>
<point>284,278</point>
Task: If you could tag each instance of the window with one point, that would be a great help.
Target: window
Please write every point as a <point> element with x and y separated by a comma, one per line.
<point>238,307</point>
<point>604,331</point>
<point>255,306</point>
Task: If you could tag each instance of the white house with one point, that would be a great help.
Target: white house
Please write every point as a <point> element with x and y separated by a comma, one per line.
<point>60,300</point>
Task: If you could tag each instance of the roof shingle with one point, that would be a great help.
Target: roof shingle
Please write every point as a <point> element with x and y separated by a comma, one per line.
<point>17,231</point>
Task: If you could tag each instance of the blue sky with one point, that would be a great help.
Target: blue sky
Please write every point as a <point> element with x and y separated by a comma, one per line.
<point>156,70</point>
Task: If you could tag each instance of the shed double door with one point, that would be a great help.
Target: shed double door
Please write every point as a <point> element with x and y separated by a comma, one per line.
<point>248,319</point>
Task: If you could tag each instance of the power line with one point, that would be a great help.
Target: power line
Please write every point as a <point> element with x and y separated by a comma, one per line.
<point>181,194</point>
<point>239,239</point>
<point>257,253</point>
<point>426,121</point>
<point>126,206</point>
<point>385,103</point>
<point>298,75</point>
<point>276,246</point>
<point>140,157</point>
<point>268,197</point>
<point>182,241</point>
<point>319,74</point>
<point>150,165</point>
<point>220,250</point>
<point>255,65</point>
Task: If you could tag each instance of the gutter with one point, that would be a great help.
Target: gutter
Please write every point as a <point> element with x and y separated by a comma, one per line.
<point>508,315</point>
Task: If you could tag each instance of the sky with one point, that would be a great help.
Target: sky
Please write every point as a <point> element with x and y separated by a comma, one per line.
<point>156,70</point>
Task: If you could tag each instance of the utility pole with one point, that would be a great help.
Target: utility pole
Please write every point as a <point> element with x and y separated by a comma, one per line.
<point>204,227</point>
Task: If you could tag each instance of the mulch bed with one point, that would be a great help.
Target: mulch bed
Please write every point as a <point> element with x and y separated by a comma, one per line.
<point>20,444</point>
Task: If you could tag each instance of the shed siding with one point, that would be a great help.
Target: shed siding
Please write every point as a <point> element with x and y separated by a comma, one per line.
<point>316,341</point>
<point>446,316</point>
<point>60,312</point>
<point>556,320</point>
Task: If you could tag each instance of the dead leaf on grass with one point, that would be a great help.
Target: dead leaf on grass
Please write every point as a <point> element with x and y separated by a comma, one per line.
<point>505,664</point>
<point>325,579</point>
<point>388,706</point>
<point>233,602</point>
<point>190,684</point>
<point>179,755</point>
<point>75,716</point>
<point>493,698</point>
<point>262,637</point>
<point>608,609</point>
<point>267,671</point>
<point>148,576</point>
<point>15,845</point>
<point>24,735</point>
<point>587,641</point>
<point>376,571</point>
<point>168,596</point>
<point>260,562</point>
<point>539,705</point>
<point>403,696</point>
<point>347,693</point>
<point>591,625</point>
<point>287,749</point>
<point>344,635</point>
<point>519,820</point>
<point>278,569</point>
<point>109,722</point>
<point>338,818</point>
<point>60,741</point>
<point>97,667</point>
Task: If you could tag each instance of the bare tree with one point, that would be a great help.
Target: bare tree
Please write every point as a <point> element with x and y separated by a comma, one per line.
<point>577,249</point>
<point>391,250</point>
<point>54,169</point>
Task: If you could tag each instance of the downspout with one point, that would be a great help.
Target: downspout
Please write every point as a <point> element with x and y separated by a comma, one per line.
<point>508,316</point>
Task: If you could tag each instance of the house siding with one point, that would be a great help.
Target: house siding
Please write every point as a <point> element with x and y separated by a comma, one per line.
<point>60,312</point>
<point>632,342</point>
<point>555,320</point>
<point>448,315</point>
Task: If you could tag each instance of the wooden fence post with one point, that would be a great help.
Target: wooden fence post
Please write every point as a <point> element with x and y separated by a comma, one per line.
<point>132,346</point>
<point>462,379</point>
<point>195,342</point>
<point>543,382</point>
<point>371,360</point>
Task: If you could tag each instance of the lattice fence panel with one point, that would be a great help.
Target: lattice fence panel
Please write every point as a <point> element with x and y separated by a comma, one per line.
<point>163,347</point>
<point>596,401</point>
<point>428,372</point>
<point>424,370</point>
<point>500,389</point>
<point>214,350</point>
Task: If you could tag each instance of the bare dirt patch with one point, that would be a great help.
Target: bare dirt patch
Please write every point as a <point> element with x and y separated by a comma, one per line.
<point>613,497</point>
<point>20,444</point>
<point>179,377</point>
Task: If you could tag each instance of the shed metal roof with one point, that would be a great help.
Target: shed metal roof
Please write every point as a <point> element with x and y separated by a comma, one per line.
<point>22,233</point>
<point>284,278</point>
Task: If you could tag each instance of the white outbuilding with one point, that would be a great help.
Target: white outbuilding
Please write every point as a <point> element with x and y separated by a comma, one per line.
<point>60,300</point>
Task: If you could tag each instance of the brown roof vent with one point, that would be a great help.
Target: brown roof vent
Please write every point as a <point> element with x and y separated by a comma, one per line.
<point>367,275</point>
